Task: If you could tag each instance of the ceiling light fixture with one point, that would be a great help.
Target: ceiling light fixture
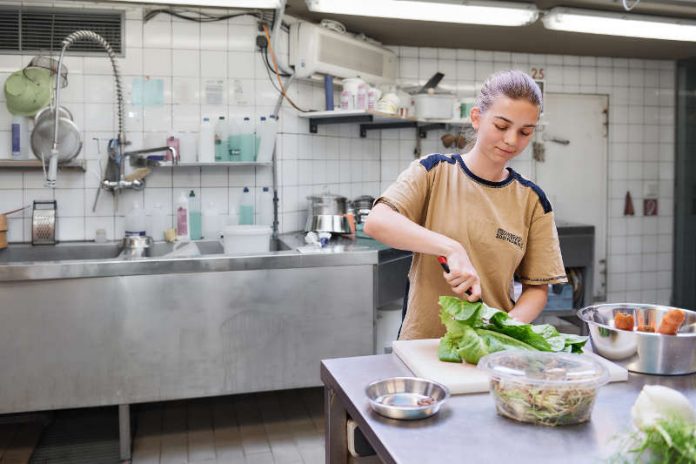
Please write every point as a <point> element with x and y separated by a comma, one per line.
<point>485,13</point>
<point>619,24</point>
<point>250,4</point>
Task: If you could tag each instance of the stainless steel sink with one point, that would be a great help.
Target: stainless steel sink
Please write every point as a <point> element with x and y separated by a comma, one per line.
<point>62,252</point>
<point>78,251</point>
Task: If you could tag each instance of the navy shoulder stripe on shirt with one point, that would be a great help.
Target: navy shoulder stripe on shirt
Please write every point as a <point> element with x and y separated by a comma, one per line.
<point>434,159</point>
<point>545,203</point>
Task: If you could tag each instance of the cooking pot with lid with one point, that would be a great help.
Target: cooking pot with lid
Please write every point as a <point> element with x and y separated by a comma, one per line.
<point>327,213</point>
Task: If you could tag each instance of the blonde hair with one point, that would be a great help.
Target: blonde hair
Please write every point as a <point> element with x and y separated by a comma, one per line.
<point>514,84</point>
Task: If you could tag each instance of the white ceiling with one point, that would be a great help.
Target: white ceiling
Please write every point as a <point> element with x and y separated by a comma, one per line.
<point>528,39</point>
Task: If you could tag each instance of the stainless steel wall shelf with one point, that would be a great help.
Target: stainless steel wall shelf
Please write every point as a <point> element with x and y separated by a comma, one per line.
<point>80,165</point>
<point>232,164</point>
<point>373,120</point>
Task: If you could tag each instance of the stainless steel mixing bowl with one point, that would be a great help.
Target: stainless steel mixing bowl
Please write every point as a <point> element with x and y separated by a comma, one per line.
<point>406,397</point>
<point>644,352</point>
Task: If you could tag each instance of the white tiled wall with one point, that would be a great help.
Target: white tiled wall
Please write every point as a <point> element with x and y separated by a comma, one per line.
<point>186,55</point>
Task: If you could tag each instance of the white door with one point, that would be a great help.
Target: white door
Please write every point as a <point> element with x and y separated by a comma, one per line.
<point>574,176</point>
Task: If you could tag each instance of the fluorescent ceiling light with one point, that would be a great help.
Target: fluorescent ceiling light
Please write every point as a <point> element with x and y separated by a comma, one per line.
<point>491,13</point>
<point>619,24</point>
<point>251,4</point>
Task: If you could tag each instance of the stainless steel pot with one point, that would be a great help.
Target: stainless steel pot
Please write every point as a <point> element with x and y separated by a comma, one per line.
<point>327,204</point>
<point>362,207</point>
<point>136,246</point>
<point>645,352</point>
<point>327,213</point>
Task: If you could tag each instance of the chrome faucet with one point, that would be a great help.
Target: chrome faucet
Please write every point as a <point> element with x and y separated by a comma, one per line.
<point>114,178</point>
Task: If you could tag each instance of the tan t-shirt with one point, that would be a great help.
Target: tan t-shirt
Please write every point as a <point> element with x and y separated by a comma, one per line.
<point>506,228</point>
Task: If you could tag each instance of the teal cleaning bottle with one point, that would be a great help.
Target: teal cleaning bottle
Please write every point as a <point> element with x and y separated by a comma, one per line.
<point>246,208</point>
<point>195,224</point>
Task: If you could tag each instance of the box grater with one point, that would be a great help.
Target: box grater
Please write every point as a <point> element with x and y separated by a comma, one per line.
<point>43,223</point>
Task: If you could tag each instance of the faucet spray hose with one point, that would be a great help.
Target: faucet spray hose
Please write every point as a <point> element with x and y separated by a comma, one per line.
<point>94,37</point>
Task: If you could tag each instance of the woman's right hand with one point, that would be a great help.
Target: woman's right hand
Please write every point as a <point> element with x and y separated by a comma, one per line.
<point>462,276</point>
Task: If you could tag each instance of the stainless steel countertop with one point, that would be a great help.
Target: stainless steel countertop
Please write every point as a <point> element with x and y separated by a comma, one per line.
<point>467,427</point>
<point>345,253</point>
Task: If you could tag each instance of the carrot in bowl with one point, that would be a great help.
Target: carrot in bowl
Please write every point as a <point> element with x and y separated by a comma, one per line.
<point>671,322</point>
<point>623,321</point>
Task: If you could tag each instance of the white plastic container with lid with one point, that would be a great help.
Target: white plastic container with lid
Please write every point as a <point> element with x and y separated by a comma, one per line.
<point>244,239</point>
<point>265,207</point>
<point>206,142</point>
<point>268,128</point>
<point>157,222</point>
<point>135,221</point>
<point>182,217</point>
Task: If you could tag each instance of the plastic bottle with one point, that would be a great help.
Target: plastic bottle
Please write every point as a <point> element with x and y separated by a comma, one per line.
<point>246,208</point>
<point>234,141</point>
<point>361,98</point>
<point>18,139</point>
<point>268,128</point>
<point>206,142</point>
<point>158,222</point>
<point>135,221</point>
<point>265,207</point>
<point>182,217</point>
<point>174,143</point>
<point>221,140</point>
<point>211,222</point>
<point>195,226</point>
<point>248,141</point>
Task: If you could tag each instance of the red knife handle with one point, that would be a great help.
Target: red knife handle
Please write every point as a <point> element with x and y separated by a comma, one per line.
<point>443,262</point>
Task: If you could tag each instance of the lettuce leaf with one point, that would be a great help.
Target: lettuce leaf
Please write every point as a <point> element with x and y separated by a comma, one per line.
<point>448,349</point>
<point>476,329</point>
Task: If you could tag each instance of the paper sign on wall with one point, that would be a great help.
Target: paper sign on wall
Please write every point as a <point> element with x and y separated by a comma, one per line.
<point>147,92</point>
<point>214,92</point>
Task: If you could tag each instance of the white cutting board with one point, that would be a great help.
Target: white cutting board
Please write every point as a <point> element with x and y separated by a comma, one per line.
<point>420,356</point>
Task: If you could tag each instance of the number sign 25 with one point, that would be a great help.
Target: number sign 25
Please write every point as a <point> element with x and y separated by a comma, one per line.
<point>538,73</point>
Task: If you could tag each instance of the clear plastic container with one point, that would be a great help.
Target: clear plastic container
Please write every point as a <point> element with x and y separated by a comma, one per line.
<point>544,388</point>
<point>244,239</point>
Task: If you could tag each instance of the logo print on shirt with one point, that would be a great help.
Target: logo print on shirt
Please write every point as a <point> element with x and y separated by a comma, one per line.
<point>509,237</point>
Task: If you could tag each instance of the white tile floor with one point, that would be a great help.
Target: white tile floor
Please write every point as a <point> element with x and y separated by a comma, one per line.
<point>284,427</point>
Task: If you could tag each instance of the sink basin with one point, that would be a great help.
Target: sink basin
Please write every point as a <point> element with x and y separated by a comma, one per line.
<point>61,252</point>
<point>21,253</point>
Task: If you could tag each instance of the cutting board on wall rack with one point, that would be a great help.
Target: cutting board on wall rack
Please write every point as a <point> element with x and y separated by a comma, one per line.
<point>420,356</point>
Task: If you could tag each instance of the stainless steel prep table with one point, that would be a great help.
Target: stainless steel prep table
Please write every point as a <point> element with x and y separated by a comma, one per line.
<point>467,428</point>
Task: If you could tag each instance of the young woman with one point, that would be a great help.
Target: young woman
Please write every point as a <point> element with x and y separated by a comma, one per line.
<point>486,219</point>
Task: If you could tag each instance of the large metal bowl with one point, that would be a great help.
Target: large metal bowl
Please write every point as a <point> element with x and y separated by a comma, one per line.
<point>406,398</point>
<point>644,352</point>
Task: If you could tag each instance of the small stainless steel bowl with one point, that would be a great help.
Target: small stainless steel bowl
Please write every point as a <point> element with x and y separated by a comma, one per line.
<point>644,352</point>
<point>406,398</point>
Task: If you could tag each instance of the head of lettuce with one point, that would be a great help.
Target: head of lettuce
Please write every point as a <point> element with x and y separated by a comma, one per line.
<point>475,330</point>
